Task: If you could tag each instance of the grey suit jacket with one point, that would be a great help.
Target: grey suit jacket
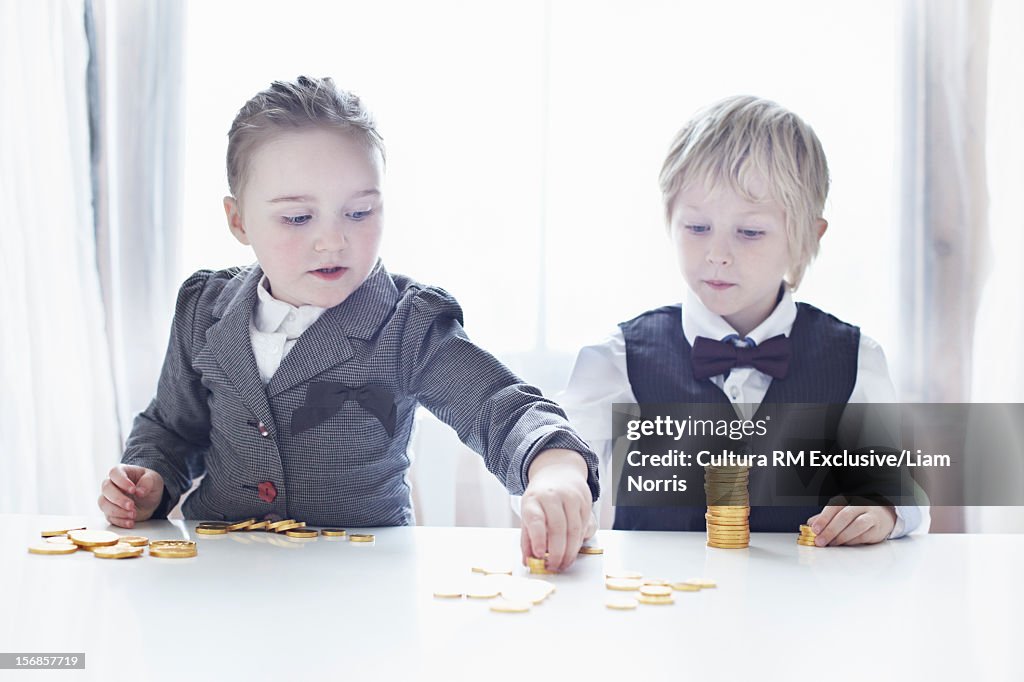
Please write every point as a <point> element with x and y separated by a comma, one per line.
<point>213,415</point>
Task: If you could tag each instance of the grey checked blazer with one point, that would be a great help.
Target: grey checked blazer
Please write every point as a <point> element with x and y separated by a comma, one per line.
<point>212,413</point>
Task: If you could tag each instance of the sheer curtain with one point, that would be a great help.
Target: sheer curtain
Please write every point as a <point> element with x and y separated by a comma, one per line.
<point>57,415</point>
<point>998,369</point>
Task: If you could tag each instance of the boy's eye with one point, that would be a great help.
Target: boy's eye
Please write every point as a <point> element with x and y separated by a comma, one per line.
<point>751,233</point>
<point>698,229</point>
<point>297,219</point>
<point>359,215</point>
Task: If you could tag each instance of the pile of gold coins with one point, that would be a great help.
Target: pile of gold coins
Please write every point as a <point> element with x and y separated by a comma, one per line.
<point>105,544</point>
<point>728,515</point>
<point>652,591</point>
<point>807,536</point>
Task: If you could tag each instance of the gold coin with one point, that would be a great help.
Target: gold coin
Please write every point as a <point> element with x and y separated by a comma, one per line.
<point>135,540</point>
<point>201,530</point>
<point>590,549</point>
<point>702,583</point>
<point>60,540</point>
<point>301,533</point>
<point>52,548</point>
<point>506,606</point>
<point>685,587</point>
<point>621,603</point>
<point>277,524</point>
<point>333,532</point>
<point>629,575</point>
<point>173,544</point>
<point>289,526</point>
<point>483,592</point>
<point>240,525</point>
<point>623,584</point>
<point>722,545</point>
<point>121,550</point>
<point>654,581</point>
<point>361,537</point>
<point>259,525</point>
<point>656,600</point>
<point>538,566</point>
<point>807,543</point>
<point>55,533</point>
<point>492,570</point>
<point>93,538</point>
<point>448,592</point>
<point>213,524</point>
<point>655,590</point>
<point>172,552</point>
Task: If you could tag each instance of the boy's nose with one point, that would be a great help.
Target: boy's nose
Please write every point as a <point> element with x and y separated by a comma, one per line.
<point>718,255</point>
<point>330,239</point>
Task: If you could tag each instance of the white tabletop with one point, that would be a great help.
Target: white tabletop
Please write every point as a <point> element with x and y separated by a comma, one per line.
<point>933,607</point>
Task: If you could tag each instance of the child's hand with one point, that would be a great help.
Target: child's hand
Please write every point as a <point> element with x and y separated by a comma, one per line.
<point>129,494</point>
<point>556,508</point>
<point>852,524</point>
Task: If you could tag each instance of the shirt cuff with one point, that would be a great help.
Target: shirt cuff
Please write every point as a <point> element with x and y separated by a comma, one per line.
<point>549,437</point>
<point>908,517</point>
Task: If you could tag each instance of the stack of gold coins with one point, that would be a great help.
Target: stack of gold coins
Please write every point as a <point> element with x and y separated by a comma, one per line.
<point>728,516</point>
<point>807,536</point>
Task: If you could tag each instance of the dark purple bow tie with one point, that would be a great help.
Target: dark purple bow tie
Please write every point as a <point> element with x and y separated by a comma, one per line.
<point>711,358</point>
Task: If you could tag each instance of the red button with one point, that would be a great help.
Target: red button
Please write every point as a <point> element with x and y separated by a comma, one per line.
<point>267,491</point>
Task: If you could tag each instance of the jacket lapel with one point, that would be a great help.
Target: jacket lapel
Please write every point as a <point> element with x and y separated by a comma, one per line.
<point>229,342</point>
<point>326,343</point>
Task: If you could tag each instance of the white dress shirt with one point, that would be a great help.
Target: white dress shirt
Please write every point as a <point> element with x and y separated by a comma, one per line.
<point>600,378</point>
<point>275,327</point>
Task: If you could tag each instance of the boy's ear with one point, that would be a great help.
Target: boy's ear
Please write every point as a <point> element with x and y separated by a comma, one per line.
<point>820,226</point>
<point>234,216</point>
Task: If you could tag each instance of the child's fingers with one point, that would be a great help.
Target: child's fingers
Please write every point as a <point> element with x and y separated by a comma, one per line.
<point>116,497</point>
<point>535,527</point>
<point>557,527</point>
<point>524,544</point>
<point>858,527</point>
<point>120,476</point>
<point>574,528</point>
<point>839,521</point>
<point>820,521</point>
<point>115,514</point>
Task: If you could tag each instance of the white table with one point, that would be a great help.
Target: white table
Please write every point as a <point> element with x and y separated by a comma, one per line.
<point>935,607</point>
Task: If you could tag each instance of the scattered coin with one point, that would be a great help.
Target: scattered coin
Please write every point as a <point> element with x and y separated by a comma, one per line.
<point>241,525</point>
<point>93,538</point>
<point>301,533</point>
<point>134,540</point>
<point>621,603</point>
<point>589,549</point>
<point>502,605</point>
<point>52,548</point>
<point>333,532</point>
<point>121,550</point>
<point>360,537</point>
<point>623,584</point>
<point>55,533</point>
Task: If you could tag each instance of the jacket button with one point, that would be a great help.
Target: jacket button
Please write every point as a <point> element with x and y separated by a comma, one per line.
<point>266,491</point>
<point>262,428</point>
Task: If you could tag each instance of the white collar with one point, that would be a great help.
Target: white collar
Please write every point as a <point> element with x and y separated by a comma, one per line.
<point>273,315</point>
<point>699,321</point>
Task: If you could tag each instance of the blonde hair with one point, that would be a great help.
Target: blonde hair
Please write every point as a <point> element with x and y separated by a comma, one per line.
<point>304,103</point>
<point>739,138</point>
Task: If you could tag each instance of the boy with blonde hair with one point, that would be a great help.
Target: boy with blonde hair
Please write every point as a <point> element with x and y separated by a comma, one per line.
<point>744,185</point>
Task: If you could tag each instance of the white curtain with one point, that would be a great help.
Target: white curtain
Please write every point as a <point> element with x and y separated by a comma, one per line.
<point>140,145</point>
<point>998,375</point>
<point>57,415</point>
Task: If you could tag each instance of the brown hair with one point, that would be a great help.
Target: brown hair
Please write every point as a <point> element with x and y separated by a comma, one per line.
<point>304,103</point>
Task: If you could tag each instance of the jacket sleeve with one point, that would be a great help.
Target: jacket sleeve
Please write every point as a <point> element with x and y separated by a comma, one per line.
<point>172,434</point>
<point>494,412</point>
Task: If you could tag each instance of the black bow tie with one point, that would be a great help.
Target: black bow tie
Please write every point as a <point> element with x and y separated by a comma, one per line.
<point>711,358</point>
<point>325,398</point>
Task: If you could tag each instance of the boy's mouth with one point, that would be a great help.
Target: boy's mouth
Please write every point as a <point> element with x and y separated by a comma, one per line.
<point>718,285</point>
<point>329,273</point>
